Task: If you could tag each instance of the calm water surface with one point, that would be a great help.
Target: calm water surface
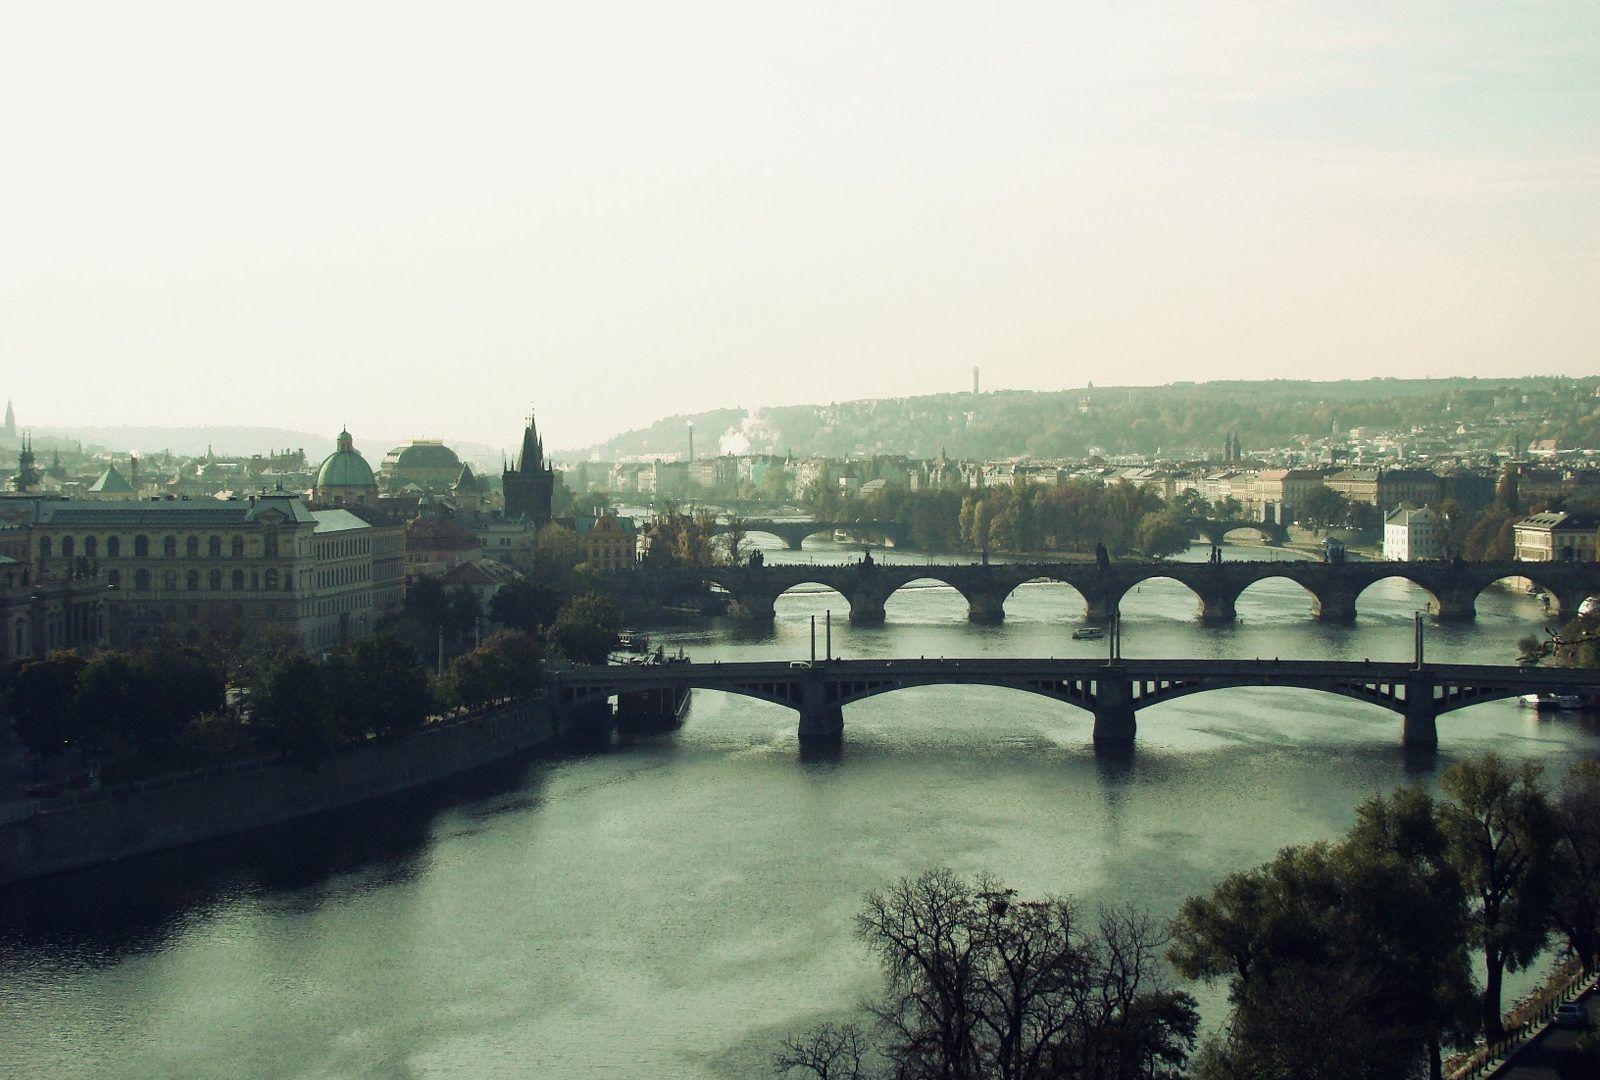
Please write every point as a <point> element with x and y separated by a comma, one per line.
<point>671,907</point>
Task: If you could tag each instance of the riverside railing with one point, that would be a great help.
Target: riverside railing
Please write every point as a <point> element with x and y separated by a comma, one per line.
<point>1489,1059</point>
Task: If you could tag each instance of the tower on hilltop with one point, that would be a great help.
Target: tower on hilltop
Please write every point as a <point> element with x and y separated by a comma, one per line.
<point>529,481</point>
<point>11,422</point>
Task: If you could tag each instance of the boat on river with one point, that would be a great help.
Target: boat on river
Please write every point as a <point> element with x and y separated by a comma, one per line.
<point>1547,702</point>
<point>1089,633</point>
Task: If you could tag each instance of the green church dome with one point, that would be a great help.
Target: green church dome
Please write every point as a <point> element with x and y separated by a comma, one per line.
<point>345,467</point>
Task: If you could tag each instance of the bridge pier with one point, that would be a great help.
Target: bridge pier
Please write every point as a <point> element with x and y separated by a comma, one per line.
<point>1334,607</point>
<point>1114,725</point>
<point>649,712</point>
<point>1216,608</point>
<point>986,609</point>
<point>1097,610</point>
<point>794,542</point>
<point>759,608</point>
<point>866,609</point>
<point>1454,605</point>
<point>1568,601</point>
<point>821,721</point>
<point>1419,727</point>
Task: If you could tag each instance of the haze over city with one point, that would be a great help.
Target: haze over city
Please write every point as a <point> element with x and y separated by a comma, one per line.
<point>410,223</point>
<point>833,541</point>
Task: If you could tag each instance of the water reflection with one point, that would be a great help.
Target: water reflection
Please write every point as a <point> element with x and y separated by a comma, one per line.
<point>667,905</point>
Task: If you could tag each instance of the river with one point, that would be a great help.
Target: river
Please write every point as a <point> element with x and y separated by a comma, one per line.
<point>674,905</point>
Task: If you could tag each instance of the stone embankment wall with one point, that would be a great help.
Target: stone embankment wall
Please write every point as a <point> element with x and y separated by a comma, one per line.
<point>75,832</point>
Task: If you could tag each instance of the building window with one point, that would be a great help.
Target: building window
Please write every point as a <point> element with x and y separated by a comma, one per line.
<point>272,580</point>
<point>169,581</point>
<point>238,547</point>
<point>46,550</point>
<point>114,578</point>
<point>169,547</point>
<point>191,547</point>
<point>91,546</point>
<point>113,547</point>
<point>214,547</point>
<point>141,547</point>
<point>67,547</point>
<point>238,581</point>
<point>141,580</point>
<point>216,581</point>
<point>270,539</point>
<point>192,581</point>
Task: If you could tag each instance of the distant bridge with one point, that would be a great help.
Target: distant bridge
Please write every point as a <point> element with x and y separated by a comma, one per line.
<point>1217,531</point>
<point>1333,588</point>
<point>1112,691</point>
<point>794,533</point>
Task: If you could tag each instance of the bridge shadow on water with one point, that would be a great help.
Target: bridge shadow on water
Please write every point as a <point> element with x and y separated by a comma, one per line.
<point>104,914</point>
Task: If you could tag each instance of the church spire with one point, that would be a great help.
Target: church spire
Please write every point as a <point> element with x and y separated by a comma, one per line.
<point>532,458</point>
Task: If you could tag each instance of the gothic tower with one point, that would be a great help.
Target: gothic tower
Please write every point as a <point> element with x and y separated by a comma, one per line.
<point>28,475</point>
<point>11,422</point>
<point>529,481</point>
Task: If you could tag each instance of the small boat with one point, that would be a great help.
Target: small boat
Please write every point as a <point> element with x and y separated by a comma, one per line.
<point>1549,701</point>
<point>1089,633</point>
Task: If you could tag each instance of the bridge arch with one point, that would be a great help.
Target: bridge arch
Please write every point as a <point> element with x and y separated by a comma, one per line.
<point>812,596</point>
<point>1152,592</point>
<point>1405,590</point>
<point>1052,593</point>
<point>1079,692</point>
<point>1272,594</point>
<point>948,602</point>
<point>1356,691</point>
<point>776,691</point>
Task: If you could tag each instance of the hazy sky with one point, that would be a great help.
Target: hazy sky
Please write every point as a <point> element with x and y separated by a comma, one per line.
<point>417,218</point>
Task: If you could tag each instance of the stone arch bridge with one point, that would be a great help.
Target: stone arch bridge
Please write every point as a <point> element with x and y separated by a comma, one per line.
<point>794,533</point>
<point>1111,691</point>
<point>1453,587</point>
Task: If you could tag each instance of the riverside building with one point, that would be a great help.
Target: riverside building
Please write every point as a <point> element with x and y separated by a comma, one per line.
<point>266,563</point>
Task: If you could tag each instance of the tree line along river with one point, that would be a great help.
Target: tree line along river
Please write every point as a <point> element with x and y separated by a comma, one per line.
<point>673,905</point>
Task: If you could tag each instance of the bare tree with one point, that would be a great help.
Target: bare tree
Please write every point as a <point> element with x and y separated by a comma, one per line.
<point>828,1052</point>
<point>981,984</point>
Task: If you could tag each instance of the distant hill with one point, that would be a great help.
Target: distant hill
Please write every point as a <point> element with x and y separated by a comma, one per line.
<point>230,441</point>
<point>189,441</point>
<point>1178,420</point>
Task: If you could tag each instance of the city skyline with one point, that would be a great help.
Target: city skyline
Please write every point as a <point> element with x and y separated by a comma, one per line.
<point>222,222</point>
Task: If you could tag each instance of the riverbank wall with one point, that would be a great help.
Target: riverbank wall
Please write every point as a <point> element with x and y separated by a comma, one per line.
<point>84,830</point>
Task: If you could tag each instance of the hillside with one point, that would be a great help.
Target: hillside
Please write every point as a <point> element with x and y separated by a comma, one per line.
<point>1177,420</point>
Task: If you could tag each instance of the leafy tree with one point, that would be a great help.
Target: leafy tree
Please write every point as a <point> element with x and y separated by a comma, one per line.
<point>291,708</point>
<point>1428,941</point>
<point>174,684</point>
<point>39,694</point>
<point>586,630</point>
<point>527,606</point>
<point>559,548</point>
<point>524,663</point>
<point>427,604</point>
<point>1320,947</point>
<point>475,678</point>
<point>733,539</point>
<point>1575,903</point>
<point>377,686</point>
<point>1323,508</point>
<point>1501,834</point>
<point>1162,534</point>
<point>215,739</point>
<point>110,700</point>
<point>982,984</point>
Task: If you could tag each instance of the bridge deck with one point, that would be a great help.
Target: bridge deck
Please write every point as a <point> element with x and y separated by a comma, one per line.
<point>624,674</point>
